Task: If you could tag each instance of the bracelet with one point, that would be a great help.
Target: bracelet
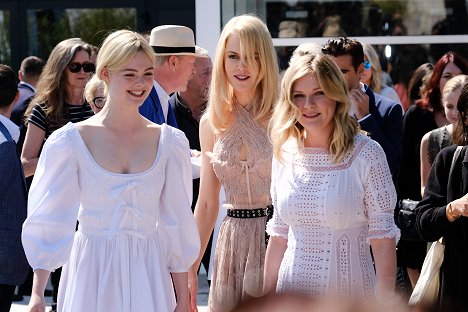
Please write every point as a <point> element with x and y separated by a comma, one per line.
<point>449,212</point>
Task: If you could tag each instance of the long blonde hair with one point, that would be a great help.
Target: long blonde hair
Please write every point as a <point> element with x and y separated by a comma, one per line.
<point>258,52</point>
<point>51,88</point>
<point>284,122</point>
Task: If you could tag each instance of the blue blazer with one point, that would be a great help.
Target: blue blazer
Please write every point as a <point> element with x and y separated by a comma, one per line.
<point>13,210</point>
<point>152,110</point>
<point>385,125</point>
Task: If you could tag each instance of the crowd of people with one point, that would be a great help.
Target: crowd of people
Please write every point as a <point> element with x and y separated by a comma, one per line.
<point>116,168</point>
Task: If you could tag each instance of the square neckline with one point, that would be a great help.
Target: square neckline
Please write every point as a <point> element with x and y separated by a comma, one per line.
<point>157,159</point>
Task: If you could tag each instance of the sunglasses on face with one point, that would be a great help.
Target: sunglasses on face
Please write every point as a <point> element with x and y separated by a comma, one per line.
<point>76,67</point>
<point>99,101</point>
<point>367,65</point>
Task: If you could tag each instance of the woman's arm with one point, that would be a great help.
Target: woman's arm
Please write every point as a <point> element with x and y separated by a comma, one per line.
<point>274,255</point>
<point>425,164</point>
<point>32,145</point>
<point>180,281</point>
<point>37,302</point>
<point>384,251</point>
<point>206,209</point>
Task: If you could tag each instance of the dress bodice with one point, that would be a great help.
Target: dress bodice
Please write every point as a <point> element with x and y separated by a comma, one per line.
<point>329,212</point>
<point>246,181</point>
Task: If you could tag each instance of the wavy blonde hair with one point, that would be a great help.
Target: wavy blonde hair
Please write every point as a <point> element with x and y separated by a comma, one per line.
<point>284,122</point>
<point>258,52</point>
<point>52,84</point>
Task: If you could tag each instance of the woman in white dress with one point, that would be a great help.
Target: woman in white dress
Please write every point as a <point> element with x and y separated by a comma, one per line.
<point>128,183</point>
<point>332,191</point>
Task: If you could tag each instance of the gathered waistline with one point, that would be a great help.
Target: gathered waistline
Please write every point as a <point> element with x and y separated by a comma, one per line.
<point>109,234</point>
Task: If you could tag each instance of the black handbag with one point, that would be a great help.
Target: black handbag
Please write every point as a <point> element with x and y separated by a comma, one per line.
<point>405,219</point>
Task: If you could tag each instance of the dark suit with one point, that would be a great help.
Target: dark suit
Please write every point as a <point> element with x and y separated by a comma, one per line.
<point>385,125</point>
<point>152,110</point>
<point>13,211</point>
<point>26,93</point>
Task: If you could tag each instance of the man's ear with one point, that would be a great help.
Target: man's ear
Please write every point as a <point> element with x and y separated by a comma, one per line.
<point>172,60</point>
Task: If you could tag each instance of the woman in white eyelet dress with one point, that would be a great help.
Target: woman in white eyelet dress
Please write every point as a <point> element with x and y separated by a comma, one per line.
<point>332,191</point>
<point>128,183</point>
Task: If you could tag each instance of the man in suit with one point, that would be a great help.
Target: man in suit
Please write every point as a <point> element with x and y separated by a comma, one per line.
<point>381,117</point>
<point>29,73</point>
<point>13,194</point>
<point>174,47</point>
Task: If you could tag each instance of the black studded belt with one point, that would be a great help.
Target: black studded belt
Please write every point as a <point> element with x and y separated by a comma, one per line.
<point>251,213</point>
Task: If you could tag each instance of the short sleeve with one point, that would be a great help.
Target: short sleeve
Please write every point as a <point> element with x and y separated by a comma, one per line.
<point>379,194</point>
<point>53,202</point>
<point>38,116</point>
<point>177,226</point>
<point>276,226</point>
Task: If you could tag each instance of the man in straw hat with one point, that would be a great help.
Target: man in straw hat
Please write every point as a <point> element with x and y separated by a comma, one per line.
<point>174,47</point>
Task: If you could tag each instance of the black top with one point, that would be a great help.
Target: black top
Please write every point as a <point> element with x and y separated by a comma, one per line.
<point>416,123</point>
<point>432,224</point>
<point>191,127</point>
<point>73,113</point>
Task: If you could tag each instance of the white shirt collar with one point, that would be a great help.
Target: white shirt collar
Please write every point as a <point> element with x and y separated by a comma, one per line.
<point>29,85</point>
<point>11,127</point>
<point>163,98</point>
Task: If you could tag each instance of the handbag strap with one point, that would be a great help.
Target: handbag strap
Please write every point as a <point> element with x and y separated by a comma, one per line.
<point>451,181</point>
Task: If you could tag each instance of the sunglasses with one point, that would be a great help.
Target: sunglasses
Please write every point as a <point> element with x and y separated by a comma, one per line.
<point>367,65</point>
<point>76,67</point>
<point>99,101</point>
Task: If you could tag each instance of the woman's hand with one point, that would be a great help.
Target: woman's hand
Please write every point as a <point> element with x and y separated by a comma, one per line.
<point>36,304</point>
<point>457,208</point>
<point>193,289</point>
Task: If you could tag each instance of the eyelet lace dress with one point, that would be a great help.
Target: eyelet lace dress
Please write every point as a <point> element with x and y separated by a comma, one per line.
<point>134,229</point>
<point>240,249</point>
<point>329,213</point>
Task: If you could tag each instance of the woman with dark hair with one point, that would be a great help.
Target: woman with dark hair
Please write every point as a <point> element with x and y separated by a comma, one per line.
<point>426,115</point>
<point>448,66</point>
<point>443,213</point>
<point>59,99</point>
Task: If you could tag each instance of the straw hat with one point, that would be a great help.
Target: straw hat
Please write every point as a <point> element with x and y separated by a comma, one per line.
<point>172,40</point>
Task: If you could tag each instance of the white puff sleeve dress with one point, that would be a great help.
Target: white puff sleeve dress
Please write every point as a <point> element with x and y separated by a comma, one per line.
<point>329,213</point>
<point>134,229</point>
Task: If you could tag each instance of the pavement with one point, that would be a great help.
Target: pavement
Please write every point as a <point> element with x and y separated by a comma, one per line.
<point>202,298</point>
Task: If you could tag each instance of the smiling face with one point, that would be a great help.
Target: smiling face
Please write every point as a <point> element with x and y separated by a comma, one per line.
<point>317,110</point>
<point>79,79</point>
<point>242,79</point>
<point>133,82</point>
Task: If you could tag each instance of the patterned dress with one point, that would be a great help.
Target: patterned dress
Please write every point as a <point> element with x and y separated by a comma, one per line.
<point>242,162</point>
<point>329,212</point>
